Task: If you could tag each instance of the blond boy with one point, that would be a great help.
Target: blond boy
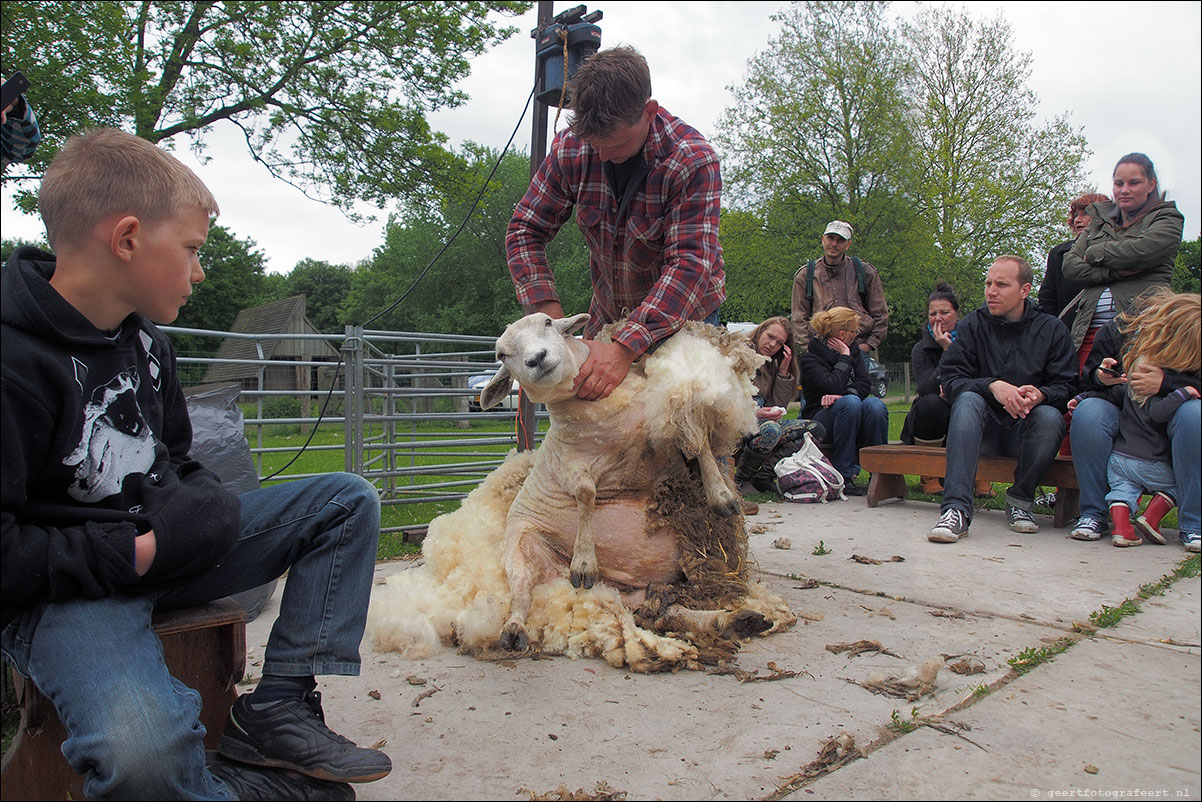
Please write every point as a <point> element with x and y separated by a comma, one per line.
<point>106,518</point>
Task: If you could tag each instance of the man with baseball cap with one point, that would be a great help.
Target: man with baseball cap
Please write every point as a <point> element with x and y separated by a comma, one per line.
<point>839,280</point>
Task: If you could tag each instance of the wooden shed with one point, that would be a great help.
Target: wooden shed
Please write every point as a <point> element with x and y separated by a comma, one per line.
<point>285,316</point>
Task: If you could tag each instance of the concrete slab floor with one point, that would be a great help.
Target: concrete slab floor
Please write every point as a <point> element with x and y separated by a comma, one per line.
<point>1125,701</point>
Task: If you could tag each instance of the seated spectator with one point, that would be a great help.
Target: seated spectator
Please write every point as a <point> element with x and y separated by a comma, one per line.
<point>837,393</point>
<point>775,387</point>
<point>1056,292</point>
<point>1096,426</point>
<point>1007,374</point>
<point>926,423</point>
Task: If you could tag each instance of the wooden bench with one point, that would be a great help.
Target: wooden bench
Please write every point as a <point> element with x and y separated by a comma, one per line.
<point>205,648</point>
<point>890,464</point>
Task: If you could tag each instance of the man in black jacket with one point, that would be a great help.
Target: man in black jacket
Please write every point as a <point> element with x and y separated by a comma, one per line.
<point>1008,375</point>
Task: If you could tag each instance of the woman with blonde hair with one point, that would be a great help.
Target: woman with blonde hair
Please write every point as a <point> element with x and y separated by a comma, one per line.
<point>1161,367</point>
<point>837,393</point>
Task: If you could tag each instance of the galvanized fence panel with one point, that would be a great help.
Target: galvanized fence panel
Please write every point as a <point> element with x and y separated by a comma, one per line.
<point>393,393</point>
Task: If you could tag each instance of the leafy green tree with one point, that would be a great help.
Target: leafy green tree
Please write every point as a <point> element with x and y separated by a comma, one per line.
<point>325,287</point>
<point>820,122</point>
<point>9,245</point>
<point>989,180</point>
<point>760,262</point>
<point>275,287</point>
<point>331,97</point>
<point>74,54</point>
<point>468,288</point>
<point>234,278</point>
<point>1187,272</point>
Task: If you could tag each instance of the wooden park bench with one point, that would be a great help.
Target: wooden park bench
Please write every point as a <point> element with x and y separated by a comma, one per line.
<point>205,648</point>
<point>890,464</point>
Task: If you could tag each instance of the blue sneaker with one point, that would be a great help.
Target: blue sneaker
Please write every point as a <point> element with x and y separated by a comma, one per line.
<point>1192,541</point>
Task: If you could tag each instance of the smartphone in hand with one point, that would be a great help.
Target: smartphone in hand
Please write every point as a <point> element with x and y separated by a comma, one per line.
<point>14,87</point>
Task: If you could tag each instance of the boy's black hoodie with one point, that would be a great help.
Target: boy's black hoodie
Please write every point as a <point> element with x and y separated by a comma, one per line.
<point>95,451</point>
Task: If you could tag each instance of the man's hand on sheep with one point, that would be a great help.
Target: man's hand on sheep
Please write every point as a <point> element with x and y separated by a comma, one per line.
<point>605,368</point>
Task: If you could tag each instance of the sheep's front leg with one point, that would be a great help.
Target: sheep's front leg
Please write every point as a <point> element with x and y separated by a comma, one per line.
<point>584,550</point>
<point>718,494</point>
<point>521,540</point>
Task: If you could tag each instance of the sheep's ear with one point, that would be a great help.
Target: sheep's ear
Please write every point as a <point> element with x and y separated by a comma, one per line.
<point>567,325</point>
<point>496,389</point>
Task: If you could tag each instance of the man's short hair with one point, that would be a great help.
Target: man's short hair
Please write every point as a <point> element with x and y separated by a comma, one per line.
<point>609,90</point>
<point>1025,274</point>
<point>106,172</point>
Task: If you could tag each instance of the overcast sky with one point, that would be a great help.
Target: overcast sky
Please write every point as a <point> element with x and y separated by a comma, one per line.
<point>1129,75</point>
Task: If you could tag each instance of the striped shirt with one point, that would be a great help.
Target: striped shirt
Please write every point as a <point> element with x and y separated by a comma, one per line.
<point>19,136</point>
<point>655,259</point>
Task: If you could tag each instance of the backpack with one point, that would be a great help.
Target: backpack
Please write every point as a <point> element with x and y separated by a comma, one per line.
<point>856,263</point>
<point>807,476</point>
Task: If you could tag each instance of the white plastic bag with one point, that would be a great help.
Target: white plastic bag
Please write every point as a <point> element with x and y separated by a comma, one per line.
<point>807,476</point>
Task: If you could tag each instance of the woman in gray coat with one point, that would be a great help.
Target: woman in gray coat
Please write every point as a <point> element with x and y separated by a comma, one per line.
<point>1129,247</point>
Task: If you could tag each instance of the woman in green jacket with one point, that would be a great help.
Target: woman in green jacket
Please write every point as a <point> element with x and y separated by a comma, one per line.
<point>1128,248</point>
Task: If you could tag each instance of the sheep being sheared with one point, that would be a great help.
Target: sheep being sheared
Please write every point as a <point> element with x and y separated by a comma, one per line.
<point>625,489</point>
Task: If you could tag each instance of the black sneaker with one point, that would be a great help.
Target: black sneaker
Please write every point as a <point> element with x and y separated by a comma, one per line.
<point>1021,520</point>
<point>850,488</point>
<point>293,735</point>
<point>258,782</point>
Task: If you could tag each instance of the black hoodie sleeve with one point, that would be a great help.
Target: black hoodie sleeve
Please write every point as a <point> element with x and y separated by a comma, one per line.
<point>195,520</point>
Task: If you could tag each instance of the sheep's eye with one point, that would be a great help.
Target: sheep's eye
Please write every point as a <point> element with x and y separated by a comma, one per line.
<point>501,356</point>
<point>549,322</point>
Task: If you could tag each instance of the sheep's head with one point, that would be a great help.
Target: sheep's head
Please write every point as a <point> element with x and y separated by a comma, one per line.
<point>539,352</point>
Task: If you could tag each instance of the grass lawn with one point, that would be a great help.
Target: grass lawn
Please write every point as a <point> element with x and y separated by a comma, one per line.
<point>325,453</point>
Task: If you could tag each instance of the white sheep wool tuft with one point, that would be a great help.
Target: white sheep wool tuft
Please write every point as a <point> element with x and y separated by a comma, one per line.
<point>458,595</point>
<point>688,375</point>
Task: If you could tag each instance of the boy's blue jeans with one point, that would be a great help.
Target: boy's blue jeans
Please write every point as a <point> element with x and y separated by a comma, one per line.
<point>1129,478</point>
<point>1095,424</point>
<point>132,728</point>
<point>976,430</point>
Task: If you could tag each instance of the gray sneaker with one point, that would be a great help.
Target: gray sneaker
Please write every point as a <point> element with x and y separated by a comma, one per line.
<point>1021,520</point>
<point>952,526</point>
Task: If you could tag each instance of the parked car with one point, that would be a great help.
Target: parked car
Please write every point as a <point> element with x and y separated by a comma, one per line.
<point>477,383</point>
<point>878,376</point>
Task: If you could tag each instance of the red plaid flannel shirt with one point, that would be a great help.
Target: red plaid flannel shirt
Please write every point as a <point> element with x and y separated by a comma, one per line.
<point>661,263</point>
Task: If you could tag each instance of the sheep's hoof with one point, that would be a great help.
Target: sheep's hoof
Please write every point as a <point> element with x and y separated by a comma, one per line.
<point>583,576</point>
<point>748,622</point>
<point>513,638</point>
<point>727,506</point>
